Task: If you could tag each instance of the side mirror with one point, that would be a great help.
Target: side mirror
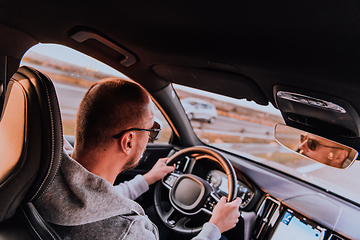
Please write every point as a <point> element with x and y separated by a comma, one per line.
<point>157,120</point>
<point>315,147</point>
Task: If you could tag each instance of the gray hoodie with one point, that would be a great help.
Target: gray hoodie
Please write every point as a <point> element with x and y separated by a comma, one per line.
<point>81,205</point>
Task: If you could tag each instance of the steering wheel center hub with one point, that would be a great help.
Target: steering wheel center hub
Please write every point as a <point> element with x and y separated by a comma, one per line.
<point>189,193</point>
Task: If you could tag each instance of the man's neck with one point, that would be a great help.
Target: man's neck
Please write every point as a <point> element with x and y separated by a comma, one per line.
<point>101,163</point>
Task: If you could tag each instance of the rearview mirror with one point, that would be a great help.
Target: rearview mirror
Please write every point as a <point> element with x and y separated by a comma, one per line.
<point>315,147</point>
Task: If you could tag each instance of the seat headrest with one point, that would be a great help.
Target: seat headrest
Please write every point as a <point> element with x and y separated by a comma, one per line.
<point>30,139</point>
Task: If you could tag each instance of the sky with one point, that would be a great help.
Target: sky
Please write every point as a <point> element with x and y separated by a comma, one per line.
<point>71,56</point>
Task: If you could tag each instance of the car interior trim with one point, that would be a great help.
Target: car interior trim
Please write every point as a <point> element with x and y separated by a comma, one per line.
<point>193,77</point>
<point>310,101</point>
<point>129,58</point>
<point>165,116</point>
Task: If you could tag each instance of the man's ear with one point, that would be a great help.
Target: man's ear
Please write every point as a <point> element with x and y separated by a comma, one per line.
<point>127,142</point>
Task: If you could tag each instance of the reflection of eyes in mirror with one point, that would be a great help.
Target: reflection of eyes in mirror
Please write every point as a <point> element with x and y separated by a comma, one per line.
<point>315,147</point>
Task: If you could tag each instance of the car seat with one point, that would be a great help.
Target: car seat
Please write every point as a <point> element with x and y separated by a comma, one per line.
<point>30,153</point>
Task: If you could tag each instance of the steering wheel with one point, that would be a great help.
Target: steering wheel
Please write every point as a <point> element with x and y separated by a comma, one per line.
<point>189,195</point>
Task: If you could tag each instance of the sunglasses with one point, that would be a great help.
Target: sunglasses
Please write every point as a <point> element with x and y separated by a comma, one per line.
<point>154,131</point>
<point>312,144</point>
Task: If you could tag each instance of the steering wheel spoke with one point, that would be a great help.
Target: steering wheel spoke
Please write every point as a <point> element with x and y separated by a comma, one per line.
<point>182,221</point>
<point>169,180</point>
<point>168,214</point>
<point>210,203</point>
<point>185,165</point>
<point>175,218</point>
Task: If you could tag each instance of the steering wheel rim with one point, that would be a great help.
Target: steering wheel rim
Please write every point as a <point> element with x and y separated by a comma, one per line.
<point>215,156</point>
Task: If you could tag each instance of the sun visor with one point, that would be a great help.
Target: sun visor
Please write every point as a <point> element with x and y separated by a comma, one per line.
<point>221,82</point>
<point>316,112</point>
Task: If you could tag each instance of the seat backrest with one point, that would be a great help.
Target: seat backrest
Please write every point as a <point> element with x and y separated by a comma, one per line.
<point>30,139</point>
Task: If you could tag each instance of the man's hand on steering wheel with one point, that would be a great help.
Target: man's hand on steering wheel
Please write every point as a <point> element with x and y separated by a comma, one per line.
<point>158,171</point>
<point>226,215</point>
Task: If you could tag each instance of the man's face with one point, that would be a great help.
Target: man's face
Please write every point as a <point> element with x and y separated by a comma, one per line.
<point>322,151</point>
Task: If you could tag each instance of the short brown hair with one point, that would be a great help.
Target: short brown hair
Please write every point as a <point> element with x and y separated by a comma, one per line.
<point>107,108</point>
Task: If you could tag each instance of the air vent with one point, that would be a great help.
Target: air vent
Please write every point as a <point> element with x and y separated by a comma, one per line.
<point>266,216</point>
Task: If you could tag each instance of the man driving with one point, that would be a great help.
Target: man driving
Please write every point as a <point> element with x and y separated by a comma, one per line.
<point>113,124</point>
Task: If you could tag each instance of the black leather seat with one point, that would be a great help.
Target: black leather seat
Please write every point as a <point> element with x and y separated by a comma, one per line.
<point>30,153</point>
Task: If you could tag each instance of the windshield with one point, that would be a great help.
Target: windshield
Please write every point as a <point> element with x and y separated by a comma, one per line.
<point>238,126</point>
<point>247,129</point>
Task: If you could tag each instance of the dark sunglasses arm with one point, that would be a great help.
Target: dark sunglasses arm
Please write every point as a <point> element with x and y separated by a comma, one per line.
<point>117,136</point>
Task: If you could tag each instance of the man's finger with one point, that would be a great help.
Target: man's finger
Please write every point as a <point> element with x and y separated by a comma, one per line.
<point>171,168</point>
<point>237,201</point>
<point>223,200</point>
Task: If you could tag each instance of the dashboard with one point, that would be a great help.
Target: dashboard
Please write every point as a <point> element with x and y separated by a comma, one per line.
<point>275,220</point>
<point>280,220</point>
<point>290,209</point>
<point>277,207</point>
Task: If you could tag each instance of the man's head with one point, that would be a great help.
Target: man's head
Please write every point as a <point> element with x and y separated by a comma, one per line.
<point>326,152</point>
<point>110,106</point>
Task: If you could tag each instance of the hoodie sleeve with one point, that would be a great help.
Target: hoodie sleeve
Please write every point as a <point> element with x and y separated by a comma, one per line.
<point>134,188</point>
<point>208,232</point>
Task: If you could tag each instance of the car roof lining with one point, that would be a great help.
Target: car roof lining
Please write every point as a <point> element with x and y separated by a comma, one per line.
<point>16,42</point>
<point>236,85</point>
<point>269,43</point>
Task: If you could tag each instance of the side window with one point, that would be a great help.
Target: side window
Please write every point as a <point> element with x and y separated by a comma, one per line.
<point>72,74</point>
